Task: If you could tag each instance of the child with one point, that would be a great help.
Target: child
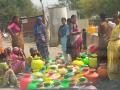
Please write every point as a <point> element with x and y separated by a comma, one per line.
<point>33,52</point>
<point>6,72</point>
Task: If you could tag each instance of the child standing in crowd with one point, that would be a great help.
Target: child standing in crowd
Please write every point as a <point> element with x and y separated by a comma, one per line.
<point>62,35</point>
<point>34,52</point>
<point>6,72</point>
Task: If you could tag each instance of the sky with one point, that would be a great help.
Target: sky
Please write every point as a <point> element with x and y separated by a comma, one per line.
<point>45,2</point>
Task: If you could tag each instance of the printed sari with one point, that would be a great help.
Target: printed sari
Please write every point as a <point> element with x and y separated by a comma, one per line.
<point>17,38</point>
<point>76,42</point>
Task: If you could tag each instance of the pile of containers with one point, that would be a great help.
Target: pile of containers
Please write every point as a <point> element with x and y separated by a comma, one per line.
<point>80,74</point>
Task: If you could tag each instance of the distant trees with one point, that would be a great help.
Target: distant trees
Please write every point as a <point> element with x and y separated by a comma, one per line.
<point>87,8</point>
<point>10,8</point>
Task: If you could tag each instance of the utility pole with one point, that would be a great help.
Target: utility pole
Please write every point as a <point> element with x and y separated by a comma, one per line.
<point>43,11</point>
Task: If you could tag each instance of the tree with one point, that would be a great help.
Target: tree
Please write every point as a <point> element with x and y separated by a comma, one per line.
<point>88,8</point>
<point>9,8</point>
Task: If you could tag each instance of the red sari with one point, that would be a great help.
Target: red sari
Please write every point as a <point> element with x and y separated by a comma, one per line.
<point>76,43</point>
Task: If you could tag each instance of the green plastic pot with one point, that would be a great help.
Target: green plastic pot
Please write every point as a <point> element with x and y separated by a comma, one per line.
<point>65,83</point>
<point>86,61</point>
<point>48,85</point>
<point>83,55</point>
<point>33,85</point>
<point>56,83</point>
<point>69,75</point>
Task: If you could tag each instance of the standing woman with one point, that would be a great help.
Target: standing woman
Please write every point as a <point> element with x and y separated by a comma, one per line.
<point>41,38</point>
<point>114,51</point>
<point>75,38</point>
<point>16,33</point>
<point>104,32</point>
<point>62,35</point>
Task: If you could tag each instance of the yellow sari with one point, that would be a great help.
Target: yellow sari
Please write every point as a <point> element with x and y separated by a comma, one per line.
<point>113,52</point>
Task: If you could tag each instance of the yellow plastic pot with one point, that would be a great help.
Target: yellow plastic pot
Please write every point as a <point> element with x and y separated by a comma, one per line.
<point>37,64</point>
<point>78,63</point>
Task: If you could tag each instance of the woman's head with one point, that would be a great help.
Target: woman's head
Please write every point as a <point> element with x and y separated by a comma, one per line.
<point>39,20</point>
<point>15,19</point>
<point>16,50</point>
<point>63,20</point>
<point>73,19</point>
<point>69,21</point>
<point>8,50</point>
<point>116,18</point>
<point>102,16</point>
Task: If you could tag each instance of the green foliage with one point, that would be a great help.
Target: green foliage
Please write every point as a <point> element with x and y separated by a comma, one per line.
<point>9,8</point>
<point>87,8</point>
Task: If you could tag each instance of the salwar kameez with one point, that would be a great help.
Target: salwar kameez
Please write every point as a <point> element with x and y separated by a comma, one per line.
<point>63,35</point>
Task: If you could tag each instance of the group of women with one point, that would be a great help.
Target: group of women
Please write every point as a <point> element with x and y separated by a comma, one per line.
<point>13,62</point>
<point>109,46</point>
<point>70,38</point>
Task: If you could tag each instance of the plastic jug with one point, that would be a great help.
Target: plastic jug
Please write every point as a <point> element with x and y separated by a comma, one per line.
<point>65,83</point>
<point>102,71</point>
<point>62,71</point>
<point>91,29</point>
<point>86,61</point>
<point>24,81</point>
<point>83,55</point>
<point>92,76</point>
<point>37,64</point>
<point>33,85</point>
<point>47,85</point>
<point>78,63</point>
<point>85,71</point>
<point>37,75</point>
<point>56,84</point>
<point>83,80</point>
<point>93,61</point>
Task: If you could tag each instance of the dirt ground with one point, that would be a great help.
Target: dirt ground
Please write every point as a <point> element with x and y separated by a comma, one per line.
<point>101,85</point>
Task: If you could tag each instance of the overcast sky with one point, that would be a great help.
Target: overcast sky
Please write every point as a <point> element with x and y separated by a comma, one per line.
<point>45,2</point>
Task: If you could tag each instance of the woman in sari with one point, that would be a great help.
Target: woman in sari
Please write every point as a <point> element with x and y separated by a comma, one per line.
<point>114,51</point>
<point>75,39</point>
<point>16,33</point>
<point>18,60</point>
<point>104,32</point>
<point>6,73</point>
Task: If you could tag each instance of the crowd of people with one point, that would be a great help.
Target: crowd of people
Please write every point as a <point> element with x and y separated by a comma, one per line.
<point>14,61</point>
